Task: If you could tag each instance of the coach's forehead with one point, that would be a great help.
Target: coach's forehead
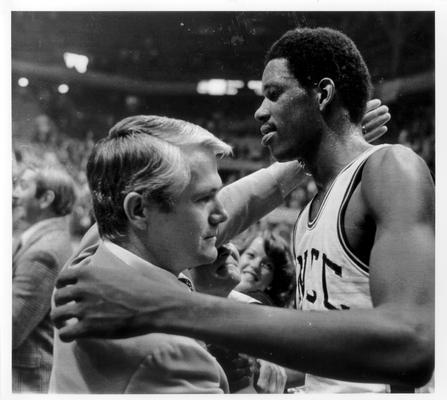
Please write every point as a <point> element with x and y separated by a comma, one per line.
<point>202,163</point>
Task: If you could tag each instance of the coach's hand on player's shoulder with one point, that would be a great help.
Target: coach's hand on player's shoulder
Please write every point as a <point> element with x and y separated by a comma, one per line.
<point>93,301</point>
<point>374,120</point>
<point>271,378</point>
<point>238,367</point>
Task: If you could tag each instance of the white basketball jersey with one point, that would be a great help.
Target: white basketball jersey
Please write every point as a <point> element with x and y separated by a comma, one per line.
<point>329,275</point>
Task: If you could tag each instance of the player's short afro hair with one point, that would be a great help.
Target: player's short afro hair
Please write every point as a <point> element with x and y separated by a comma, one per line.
<point>317,53</point>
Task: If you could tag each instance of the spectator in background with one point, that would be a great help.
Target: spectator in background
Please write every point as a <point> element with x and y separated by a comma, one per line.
<point>267,271</point>
<point>43,198</point>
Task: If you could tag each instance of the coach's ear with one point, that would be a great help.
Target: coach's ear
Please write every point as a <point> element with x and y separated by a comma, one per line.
<point>134,209</point>
<point>325,93</point>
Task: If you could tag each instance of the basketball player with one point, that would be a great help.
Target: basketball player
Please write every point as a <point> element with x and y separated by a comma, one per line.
<point>364,246</point>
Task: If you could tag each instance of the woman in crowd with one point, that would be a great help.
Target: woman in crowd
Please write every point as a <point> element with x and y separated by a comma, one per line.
<point>266,269</point>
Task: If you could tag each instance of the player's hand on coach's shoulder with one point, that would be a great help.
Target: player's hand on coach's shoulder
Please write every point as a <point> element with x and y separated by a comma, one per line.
<point>110,302</point>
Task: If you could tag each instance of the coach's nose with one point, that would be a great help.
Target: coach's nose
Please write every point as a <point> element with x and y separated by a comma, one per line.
<point>219,214</point>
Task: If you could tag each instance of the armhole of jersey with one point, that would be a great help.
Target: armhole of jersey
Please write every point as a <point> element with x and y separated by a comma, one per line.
<point>295,227</point>
<point>355,180</point>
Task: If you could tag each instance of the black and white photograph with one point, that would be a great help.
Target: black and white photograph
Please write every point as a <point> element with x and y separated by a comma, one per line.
<point>224,200</point>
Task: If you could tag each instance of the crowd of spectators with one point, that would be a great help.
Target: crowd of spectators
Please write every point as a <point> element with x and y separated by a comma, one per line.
<point>415,128</point>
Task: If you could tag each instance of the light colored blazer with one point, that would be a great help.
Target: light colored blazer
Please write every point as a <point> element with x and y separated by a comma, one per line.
<point>35,266</point>
<point>159,363</point>
<point>154,363</point>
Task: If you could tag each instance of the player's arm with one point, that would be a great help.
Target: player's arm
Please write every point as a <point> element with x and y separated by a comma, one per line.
<point>399,194</point>
<point>252,197</point>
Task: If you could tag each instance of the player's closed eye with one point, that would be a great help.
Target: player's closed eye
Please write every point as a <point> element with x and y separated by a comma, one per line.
<point>272,94</point>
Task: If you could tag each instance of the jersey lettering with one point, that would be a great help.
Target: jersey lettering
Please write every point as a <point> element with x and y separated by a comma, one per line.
<point>337,269</point>
<point>311,296</point>
<point>327,266</point>
<point>302,262</point>
<point>314,254</point>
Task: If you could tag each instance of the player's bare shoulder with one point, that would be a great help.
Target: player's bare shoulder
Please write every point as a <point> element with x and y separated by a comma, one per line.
<point>396,178</point>
<point>396,155</point>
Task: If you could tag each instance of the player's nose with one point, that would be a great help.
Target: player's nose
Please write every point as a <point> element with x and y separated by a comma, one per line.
<point>262,113</point>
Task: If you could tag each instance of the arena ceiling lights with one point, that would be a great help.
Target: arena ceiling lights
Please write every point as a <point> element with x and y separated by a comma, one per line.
<point>77,61</point>
<point>221,87</point>
<point>23,82</point>
<point>256,86</point>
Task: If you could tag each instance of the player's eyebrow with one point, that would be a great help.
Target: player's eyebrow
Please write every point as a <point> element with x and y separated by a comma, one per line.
<point>268,86</point>
<point>278,80</point>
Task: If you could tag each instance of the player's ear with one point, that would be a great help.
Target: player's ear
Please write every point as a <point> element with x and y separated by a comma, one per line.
<point>325,93</point>
<point>134,209</point>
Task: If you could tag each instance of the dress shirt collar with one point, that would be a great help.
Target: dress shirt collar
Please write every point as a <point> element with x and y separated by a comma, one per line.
<point>132,259</point>
<point>188,282</point>
<point>126,256</point>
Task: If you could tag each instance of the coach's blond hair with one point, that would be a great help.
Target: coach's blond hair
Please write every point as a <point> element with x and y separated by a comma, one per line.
<point>143,154</point>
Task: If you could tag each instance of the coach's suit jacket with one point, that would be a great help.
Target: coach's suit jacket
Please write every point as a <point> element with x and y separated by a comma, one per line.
<point>35,266</point>
<point>245,201</point>
<point>154,363</point>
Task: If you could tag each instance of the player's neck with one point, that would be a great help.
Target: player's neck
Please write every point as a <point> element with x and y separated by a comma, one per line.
<point>336,150</point>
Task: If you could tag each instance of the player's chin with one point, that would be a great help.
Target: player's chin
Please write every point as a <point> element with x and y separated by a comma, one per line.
<point>282,153</point>
<point>279,150</point>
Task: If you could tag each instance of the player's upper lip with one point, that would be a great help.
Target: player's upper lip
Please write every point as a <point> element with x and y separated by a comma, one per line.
<point>267,128</point>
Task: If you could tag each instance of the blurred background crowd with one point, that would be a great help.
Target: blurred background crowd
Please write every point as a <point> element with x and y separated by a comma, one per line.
<point>202,67</point>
